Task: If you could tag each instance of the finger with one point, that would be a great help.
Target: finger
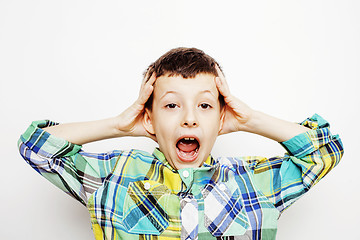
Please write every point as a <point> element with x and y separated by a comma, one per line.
<point>146,77</point>
<point>146,89</point>
<point>221,82</point>
<point>231,101</point>
<point>149,88</point>
<point>219,72</point>
<point>145,93</point>
<point>151,79</point>
<point>147,81</point>
<point>222,87</point>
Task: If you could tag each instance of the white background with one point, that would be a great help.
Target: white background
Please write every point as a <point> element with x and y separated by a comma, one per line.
<point>83,60</point>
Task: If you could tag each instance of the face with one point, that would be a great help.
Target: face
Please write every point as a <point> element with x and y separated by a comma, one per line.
<point>186,118</point>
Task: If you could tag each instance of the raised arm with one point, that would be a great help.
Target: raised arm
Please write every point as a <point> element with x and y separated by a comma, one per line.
<point>240,117</point>
<point>310,156</point>
<point>128,123</point>
<point>312,151</point>
<point>55,151</point>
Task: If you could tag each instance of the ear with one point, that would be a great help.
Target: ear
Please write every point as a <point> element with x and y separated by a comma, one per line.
<point>147,122</point>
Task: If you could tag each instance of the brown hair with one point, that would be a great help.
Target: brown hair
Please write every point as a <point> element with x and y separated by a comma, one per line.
<point>187,62</point>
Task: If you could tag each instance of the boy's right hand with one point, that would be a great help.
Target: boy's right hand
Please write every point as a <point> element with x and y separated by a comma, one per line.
<point>129,122</point>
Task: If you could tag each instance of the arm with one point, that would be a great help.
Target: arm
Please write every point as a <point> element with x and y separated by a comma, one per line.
<point>273,128</point>
<point>312,150</point>
<point>310,156</point>
<point>54,151</point>
<point>128,123</point>
<point>240,117</point>
<point>63,163</point>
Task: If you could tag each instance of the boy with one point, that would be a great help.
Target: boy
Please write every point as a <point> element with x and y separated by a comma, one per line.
<point>180,191</point>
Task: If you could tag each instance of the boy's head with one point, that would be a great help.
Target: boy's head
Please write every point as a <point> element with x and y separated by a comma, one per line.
<point>184,111</point>
<point>185,62</point>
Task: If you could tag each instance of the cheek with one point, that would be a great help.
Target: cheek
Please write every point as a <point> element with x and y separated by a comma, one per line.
<point>163,127</point>
<point>212,119</point>
<point>213,125</point>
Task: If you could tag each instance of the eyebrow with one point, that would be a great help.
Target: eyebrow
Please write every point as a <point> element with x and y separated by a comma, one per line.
<point>167,92</point>
<point>176,93</point>
<point>208,91</point>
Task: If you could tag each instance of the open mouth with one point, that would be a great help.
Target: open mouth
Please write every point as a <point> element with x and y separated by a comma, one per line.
<point>187,149</point>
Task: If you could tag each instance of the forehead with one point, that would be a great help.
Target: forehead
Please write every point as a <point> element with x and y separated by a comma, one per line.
<point>201,83</point>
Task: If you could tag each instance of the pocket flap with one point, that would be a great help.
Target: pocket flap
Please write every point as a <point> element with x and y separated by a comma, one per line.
<point>144,206</point>
<point>223,210</point>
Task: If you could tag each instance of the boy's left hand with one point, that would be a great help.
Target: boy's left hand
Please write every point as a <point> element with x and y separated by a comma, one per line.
<point>237,116</point>
<point>236,113</point>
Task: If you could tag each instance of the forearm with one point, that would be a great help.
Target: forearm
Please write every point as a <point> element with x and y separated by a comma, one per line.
<point>273,128</point>
<point>85,132</point>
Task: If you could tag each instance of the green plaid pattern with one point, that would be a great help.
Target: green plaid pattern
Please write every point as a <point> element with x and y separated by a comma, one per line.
<point>137,195</point>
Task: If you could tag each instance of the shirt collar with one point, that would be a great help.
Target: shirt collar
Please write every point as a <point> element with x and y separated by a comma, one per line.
<point>209,162</point>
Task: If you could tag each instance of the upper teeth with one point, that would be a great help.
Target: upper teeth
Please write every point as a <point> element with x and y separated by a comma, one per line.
<point>189,138</point>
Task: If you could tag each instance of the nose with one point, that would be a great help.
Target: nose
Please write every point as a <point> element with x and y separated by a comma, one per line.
<point>190,119</point>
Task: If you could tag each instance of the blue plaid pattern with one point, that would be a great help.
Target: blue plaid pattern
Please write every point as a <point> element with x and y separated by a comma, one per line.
<point>228,207</point>
<point>137,195</point>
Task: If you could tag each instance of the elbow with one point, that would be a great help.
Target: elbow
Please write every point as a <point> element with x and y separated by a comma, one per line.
<point>335,150</point>
<point>330,154</point>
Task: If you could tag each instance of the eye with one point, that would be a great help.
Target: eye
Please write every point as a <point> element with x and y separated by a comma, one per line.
<point>170,105</point>
<point>205,106</point>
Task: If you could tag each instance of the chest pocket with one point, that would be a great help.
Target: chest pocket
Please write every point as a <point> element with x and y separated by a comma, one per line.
<point>145,207</point>
<point>224,213</point>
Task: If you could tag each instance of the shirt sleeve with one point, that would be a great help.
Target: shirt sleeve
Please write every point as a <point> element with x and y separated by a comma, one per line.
<point>76,172</point>
<point>310,156</point>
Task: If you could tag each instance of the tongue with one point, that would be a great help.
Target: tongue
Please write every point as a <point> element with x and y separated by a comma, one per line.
<point>187,145</point>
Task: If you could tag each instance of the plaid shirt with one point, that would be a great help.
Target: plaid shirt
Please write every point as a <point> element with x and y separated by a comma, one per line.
<point>137,195</point>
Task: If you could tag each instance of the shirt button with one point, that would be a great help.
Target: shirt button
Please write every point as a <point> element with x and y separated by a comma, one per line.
<point>147,186</point>
<point>186,174</point>
<point>187,200</point>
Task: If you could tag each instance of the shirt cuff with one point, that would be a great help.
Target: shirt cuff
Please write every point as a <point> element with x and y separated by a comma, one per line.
<point>308,142</point>
<point>45,144</point>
